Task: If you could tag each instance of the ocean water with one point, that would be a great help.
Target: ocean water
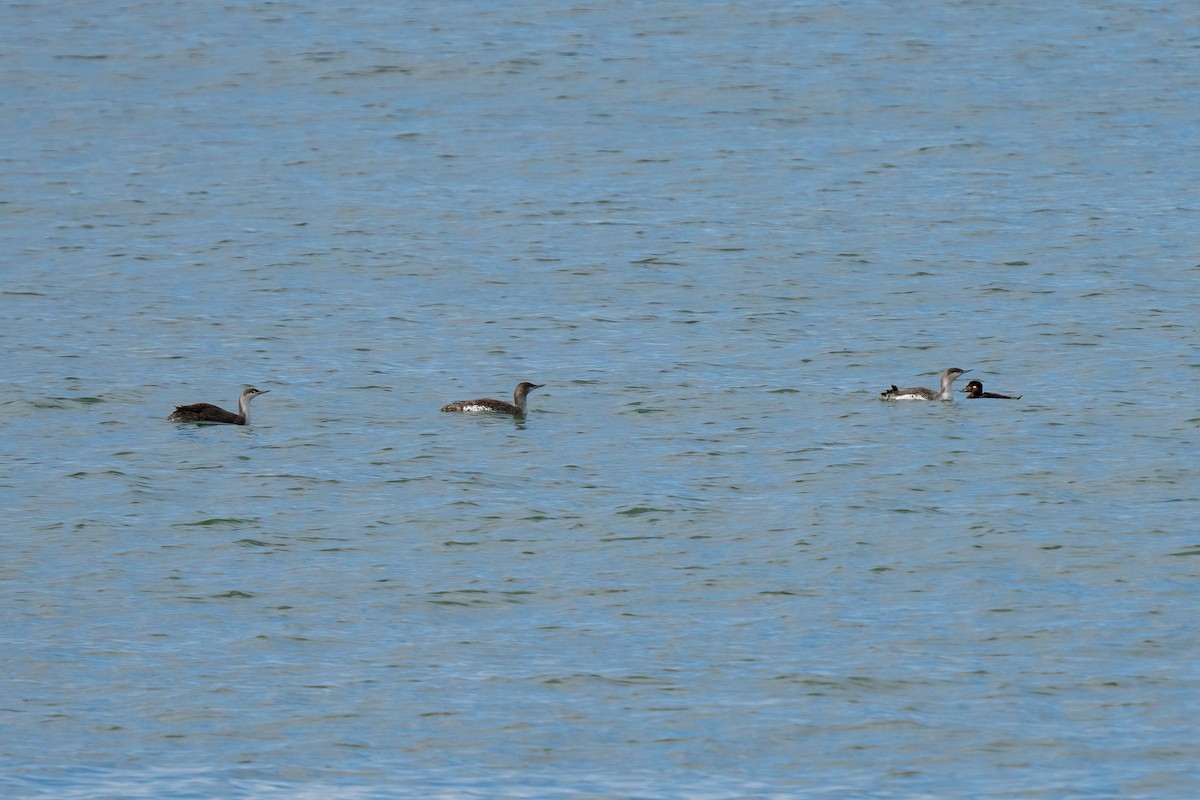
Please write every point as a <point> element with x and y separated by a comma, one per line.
<point>708,563</point>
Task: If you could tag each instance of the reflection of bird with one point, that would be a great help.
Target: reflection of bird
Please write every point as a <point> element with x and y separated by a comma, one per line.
<point>974,391</point>
<point>517,406</point>
<point>920,393</point>
<point>207,412</point>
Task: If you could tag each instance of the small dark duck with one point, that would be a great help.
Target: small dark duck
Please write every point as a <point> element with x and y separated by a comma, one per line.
<point>974,391</point>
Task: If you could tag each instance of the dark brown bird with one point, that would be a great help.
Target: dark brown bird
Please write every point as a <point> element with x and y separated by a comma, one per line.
<point>487,404</point>
<point>974,391</point>
<point>207,412</point>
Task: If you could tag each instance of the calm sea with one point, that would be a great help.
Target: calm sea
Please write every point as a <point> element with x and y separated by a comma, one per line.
<point>709,563</point>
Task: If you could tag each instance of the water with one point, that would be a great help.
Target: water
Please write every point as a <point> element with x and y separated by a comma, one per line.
<point>709,564</point>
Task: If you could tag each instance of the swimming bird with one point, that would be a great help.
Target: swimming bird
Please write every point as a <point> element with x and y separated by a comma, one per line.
<point>517,406</point>
<point>207,412</point>
<point>920,393</point>
<point>974,391</point>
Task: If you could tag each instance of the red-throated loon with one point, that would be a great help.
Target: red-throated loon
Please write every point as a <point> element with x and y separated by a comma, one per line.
<point>974,391</point>
<point>207,412</point>
<point>920,393</point>
<point>497,406</point>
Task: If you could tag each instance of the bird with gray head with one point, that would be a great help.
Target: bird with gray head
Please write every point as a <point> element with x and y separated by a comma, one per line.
<point>921,393</point>
<point>207,412</point>
<point>487,404</point>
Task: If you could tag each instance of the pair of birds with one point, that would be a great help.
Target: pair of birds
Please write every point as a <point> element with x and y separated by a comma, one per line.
<point>207,412</point>
<point>974,390</point>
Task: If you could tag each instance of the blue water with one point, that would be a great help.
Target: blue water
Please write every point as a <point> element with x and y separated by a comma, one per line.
<point>709,563</point>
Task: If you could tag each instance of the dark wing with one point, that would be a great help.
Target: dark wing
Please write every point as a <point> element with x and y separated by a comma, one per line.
<point>482,404</point>
<point>197,408</point>
<point>202,412</point>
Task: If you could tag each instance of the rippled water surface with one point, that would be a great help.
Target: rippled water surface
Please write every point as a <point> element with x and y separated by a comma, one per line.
<point>709,563</point>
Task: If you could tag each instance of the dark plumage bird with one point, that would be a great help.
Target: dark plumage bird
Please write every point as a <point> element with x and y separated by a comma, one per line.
<point>921,393</point>
<point>207,412</point>
<point>974,391</point>
<point>487,404</point>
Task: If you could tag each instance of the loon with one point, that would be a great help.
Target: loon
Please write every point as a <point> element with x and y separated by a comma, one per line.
<point>919,393</point>
<point>975,391</point>
<point>207,412</point>
<point>497,406</point>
